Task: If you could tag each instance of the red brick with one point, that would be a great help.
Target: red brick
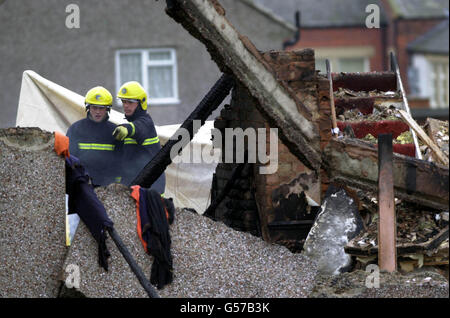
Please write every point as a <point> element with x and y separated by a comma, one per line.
<point>272,179</point>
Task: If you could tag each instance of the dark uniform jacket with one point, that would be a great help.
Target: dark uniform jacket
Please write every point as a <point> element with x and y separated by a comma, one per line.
<point>141,145</point>
<point>96,148</point>
<point>84,201</point>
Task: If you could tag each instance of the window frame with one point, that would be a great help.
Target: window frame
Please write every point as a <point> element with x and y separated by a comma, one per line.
<point>335,54</point>
<point>146,63</point>
<point>439,95</point>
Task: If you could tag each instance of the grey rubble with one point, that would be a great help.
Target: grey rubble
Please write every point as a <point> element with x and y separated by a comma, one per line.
<point>210,259</point>
<point>423,283</point>
<point>32,209</point>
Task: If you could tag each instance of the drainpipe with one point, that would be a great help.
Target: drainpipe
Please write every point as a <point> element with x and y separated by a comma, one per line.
<point>297,33</point>
<point>384,46</point>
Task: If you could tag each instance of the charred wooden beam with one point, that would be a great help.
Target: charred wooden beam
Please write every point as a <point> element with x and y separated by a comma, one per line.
<point>205,20</point>
<point>382,81</point>
<point>162,159</point>
<point>210,211</point>
<point>355,163</point>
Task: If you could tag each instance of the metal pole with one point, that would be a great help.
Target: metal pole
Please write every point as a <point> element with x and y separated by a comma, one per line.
<point>335,130</point>
<point>133,265</point>
<point>387,229</point>
<point>396,69</point>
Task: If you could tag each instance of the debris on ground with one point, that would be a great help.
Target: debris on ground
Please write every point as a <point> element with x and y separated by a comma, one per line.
<point>369,283</point>
<point>210,259</point>
<point>32,209</point>
<point>422,235</point>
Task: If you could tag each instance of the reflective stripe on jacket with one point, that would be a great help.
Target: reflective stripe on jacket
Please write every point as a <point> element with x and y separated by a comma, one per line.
<point>139,148</point>
<point>95,146</point>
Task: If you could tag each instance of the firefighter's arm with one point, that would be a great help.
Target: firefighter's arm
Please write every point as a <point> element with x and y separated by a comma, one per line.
<point>124,130</point>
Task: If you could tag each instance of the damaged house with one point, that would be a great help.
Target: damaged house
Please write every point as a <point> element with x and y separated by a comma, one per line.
<point>283,90</point>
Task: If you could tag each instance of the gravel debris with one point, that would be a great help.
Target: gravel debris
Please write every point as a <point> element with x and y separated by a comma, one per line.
<point>210,259</point>
<point>32,209</point>
<point>424,283</point>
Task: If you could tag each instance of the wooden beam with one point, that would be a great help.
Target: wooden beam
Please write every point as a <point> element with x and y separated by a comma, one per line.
<point>387,232</point>
<point>424,137</point>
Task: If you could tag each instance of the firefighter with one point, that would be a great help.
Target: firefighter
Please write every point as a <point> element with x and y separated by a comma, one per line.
<point>140,141</point>
<point>91,139</point>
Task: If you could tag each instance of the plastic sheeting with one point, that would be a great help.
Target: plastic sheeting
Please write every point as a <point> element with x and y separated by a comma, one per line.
<point>51,107</point>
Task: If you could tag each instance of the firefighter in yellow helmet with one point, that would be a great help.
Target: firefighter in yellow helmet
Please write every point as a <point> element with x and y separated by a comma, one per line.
<point>140,141</point>
<point>91,138</point>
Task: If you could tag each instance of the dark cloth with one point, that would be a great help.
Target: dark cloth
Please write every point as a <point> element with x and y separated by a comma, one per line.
<point>139,148</point>
<point>96,148</point>
<point>84,201</point>
<point>156,214</point>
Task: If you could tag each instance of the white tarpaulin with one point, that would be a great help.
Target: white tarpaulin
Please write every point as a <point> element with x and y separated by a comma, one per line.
<point>51,107</point>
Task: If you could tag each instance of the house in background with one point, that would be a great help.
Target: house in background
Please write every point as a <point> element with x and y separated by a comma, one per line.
<point>118,41</point>
<point>416,30</point>
<point>429,58</point>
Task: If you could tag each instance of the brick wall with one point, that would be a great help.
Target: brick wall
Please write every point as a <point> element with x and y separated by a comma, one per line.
<point>342,37</point>
<point>278,198</point>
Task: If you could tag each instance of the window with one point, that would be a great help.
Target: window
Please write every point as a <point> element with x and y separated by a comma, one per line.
<point>413,81</point>
<point>352,65</point>
<point>155,69</point>
<point>439,78</point>
<point>348,59</point>
<point>347,65</point>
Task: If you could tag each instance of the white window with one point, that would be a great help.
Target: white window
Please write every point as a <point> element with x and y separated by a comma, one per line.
<point>439,79</point>
<point>347,65</point>
<point>348,59</point>
<point>155,69</point>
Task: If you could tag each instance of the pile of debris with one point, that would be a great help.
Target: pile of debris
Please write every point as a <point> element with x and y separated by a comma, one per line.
<point>424,283</point>
<point>355,124</point>
<point>437,130</point>
<point>379,113</point>
<point>345,92</point>
<point>210,259</point>
<point>422,235</point>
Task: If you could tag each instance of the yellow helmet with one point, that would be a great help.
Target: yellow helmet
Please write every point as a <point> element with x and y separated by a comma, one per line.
<point>135,92</point>
<point>98,96</point>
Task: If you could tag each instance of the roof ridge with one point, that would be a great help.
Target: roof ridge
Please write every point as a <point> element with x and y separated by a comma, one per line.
<point>438,27</point>
<point>270,14</point>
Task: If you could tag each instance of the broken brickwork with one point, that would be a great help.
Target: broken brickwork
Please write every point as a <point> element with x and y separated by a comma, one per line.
<point>284,215</point>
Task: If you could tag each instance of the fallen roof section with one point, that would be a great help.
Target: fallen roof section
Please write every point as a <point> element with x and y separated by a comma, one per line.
<point>355,163</point>
<point>235,54</point>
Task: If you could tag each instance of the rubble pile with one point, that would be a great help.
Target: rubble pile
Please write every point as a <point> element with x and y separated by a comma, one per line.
<point>437,130</point>
<point>32,211</point>
<point>413,226</point>
<point>210,259</point>
<point>379,113</point>
<point>423,283</point>
<point>345,92</point>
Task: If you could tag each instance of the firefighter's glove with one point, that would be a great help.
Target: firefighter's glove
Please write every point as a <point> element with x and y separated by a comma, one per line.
<point>120,133</point>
